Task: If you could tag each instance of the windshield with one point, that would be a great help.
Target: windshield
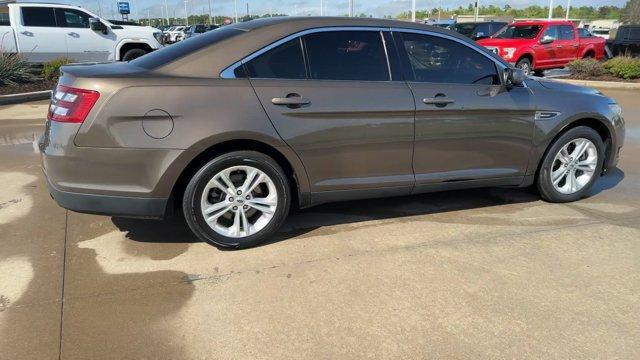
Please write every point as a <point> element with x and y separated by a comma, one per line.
<point>464,29</point>
<point>519,32</point>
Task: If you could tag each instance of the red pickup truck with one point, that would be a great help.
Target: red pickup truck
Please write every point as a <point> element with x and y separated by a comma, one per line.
<point>534,46</point>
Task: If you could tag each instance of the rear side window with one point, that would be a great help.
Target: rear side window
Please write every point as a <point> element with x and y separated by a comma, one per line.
<point>584,33</point>
<point>282,62</point>
<point>634,34</point>
<point>4,16</point>
<point>438,60</point>
<point>566,32</point>
<point>38,16</point>
<point>482,30</point>
<point>346,55</point>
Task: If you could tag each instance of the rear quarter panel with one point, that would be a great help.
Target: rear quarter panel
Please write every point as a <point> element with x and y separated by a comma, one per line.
<point>184,115</point>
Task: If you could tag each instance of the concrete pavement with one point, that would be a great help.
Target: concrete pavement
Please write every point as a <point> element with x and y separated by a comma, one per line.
<point>489,273</point>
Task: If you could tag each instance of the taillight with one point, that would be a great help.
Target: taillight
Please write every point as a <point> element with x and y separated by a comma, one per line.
<point>71,104</point>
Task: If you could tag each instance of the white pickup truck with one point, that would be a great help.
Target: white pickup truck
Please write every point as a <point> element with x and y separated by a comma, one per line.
<point>42,32</point>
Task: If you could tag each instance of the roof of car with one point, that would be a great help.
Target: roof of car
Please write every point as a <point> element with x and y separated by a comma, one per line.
<point>542,22</point>
<point>255,34</point>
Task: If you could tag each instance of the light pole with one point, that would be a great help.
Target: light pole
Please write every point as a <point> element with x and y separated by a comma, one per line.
<point>350,8</point>
<point>186,13</point>
<point>321,8</point>
<point>475,17</point>
<point>568,8</point>
<point>550,9</point>
<point>210,12</point>
<point>413,11</point>
<point>235,11</point>
<point>166,11</point>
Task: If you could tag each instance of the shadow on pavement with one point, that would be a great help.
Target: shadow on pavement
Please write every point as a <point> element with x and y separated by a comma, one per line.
<point>300,222</point>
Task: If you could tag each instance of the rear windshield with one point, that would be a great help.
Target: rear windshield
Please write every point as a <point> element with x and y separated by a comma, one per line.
<point>185,47</point>
<point>519,32</point>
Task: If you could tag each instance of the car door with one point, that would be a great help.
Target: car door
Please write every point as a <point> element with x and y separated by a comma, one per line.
<point>548,55</point>
<point>84,44</point>
<point>39,37</point>
<point>330,96</point>
<point>567,43</point>
<point>468,125</point>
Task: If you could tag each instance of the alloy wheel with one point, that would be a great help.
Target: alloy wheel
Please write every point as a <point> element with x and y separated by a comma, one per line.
<point>574,166</point>
<point>239,201</point>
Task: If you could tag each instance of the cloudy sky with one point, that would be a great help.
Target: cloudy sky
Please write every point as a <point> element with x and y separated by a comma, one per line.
<point>378,8</point>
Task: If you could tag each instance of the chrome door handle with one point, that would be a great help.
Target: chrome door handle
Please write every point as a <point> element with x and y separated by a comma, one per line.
<point>559,46</point>
<point>291,101</point>
<point>27,33</point>
<point>439,100</point>
<point>73,34</point>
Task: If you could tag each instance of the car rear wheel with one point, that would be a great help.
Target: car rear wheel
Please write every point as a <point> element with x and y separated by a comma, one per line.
<point>524,64</point>
<point>571,166</point>
<point>237,200</point>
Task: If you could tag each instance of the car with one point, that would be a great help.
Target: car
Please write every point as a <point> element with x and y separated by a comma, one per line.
<point>535,46</point>
<point>175,34</point>
<point>478,30</point>
<point>42,32</point>
<point>625,41</point>
<point>234,127</point>
<point>194,30</point>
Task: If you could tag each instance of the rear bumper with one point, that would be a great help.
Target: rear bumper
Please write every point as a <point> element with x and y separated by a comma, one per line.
<point>109,205</point>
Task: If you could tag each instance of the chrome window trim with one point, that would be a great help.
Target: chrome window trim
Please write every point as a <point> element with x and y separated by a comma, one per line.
<point>229,72</point>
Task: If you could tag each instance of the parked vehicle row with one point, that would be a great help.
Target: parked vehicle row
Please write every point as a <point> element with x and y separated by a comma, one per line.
<point>535,46</point>
<point>286,112</point>
<point>625,41</point>
<point>42,32</point>
<point>178,33</point>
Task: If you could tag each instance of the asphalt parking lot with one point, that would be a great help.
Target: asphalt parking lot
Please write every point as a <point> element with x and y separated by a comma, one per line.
<point>490,273</point>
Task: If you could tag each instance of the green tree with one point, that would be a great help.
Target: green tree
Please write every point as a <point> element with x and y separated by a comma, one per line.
<point>630,13</point>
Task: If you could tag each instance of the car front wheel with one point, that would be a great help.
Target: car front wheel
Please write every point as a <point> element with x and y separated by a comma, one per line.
<point>524,64</point>
<point>237,200</point>
<point>571,166</point>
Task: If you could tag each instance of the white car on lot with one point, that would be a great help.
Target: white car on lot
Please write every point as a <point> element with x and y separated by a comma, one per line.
<point>42,32</point>
<point>175,33</point>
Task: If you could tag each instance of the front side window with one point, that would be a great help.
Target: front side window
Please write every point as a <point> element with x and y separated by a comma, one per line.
<point>566,32</point>
<point>346,55</point>
<point>282,62</point>
<point>519,32</point>
<point>38,16</point>
<point>438,60</point>
<point>72,18</point>
<point>634,34</point>
<point>552,32</point>
<point>482,30</point>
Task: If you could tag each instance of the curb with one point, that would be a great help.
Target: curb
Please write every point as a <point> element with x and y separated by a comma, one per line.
<point>25,97</point>
<point>602,84</point>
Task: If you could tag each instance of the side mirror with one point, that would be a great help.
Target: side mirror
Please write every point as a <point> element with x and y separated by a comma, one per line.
<point>479,35</point>
<point>546,39</point>
<point>96,25</point>
<point>515,77</point>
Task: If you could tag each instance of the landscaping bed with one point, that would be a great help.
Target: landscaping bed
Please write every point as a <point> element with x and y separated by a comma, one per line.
<point>620,69</point>
<point>27,87</point>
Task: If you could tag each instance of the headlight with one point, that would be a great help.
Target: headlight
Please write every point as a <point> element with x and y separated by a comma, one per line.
<point>616,109</point>
<point>159,37</point>
<point>508,52</point>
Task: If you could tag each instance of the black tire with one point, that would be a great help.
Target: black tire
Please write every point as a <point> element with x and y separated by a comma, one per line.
<point>524,64</point>
<point>194,190</point>
<point>543,181</point>
<point>133,54</point>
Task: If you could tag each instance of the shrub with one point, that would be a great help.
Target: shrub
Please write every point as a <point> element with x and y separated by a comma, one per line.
<point>51,69</point>
<point>586,67</point>
<point>14,69</point>
<point>624,67</point>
